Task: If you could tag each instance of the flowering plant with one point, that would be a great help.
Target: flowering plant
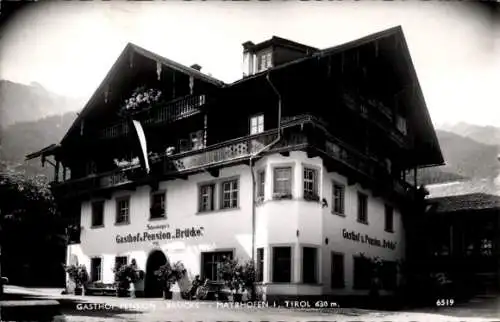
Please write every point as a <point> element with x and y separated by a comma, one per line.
<point>141,98</point>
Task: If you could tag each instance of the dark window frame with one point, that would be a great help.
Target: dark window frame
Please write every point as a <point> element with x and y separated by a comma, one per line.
<point>314,270</point>
<point>257,128</point>
<point>362,216</point>
<point>276,277</point>
<point>153,207</point>
<point>339,282</point>
<point>340,199</point>
<point>213,260</point>
<point>93,205</point>
<point>210,194</point>
<point>119,218</point>
<point>261,184</point>
<point>93,271</point>
<point>287,190</point>
<point>388,218</point>
<point>313,190</point>
<point>260,264</point>
<point>234,202</point>
<point>120,259</point>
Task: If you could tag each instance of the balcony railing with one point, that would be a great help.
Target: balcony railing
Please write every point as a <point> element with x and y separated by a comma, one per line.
<point>172,111</point>
<point>377,113</point>
<point>293,138</point>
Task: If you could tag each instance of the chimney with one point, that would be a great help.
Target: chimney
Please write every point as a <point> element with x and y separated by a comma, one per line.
<point>248,58</point>
<point>196,66</point>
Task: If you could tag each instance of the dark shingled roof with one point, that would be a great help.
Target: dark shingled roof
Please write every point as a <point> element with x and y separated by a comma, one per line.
<point>473,201</point>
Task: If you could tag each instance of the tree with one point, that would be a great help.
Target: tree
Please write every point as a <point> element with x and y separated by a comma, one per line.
<point>32,236</point>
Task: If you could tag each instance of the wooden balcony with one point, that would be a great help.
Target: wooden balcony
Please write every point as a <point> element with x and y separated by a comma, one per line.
<point>377,113</point>
<point>298,133</point>
<point>164,113</point>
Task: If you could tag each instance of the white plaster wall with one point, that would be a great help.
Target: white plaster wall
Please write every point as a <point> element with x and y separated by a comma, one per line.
<point>334,224</point>
<point>223,230</point>
<point>277,223</point>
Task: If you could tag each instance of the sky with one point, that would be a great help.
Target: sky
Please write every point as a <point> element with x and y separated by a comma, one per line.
<point>68,47</point>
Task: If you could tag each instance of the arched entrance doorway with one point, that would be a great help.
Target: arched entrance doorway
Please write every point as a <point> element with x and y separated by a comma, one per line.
<point>152,287</point>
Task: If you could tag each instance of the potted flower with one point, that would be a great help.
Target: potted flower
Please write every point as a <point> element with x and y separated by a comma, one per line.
<point>125,275</point>
<point>311,196</point>
<point>168,275</point>
<point>79,276</point>
<point>282,195</point>
<point>238,278</point>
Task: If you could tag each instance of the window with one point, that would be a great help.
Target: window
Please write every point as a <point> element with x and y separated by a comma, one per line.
<point>260,264</point>
<point>337,273</point>
<point>265,61</point>
<point>207,197</point>
<point>401,124</point>
<point>309,265</point>
<point>362,208</point>
<point>212,262</point>
<point>120,261</point>
<point>158,209</point>
<point>257,124</point>
<point>283,182</point>
<point>98,214</point>
<point>95,269</point>
<point>310,183</point>
<point>123,210</point>
<point>389,275</point>
<point>362,273</point>
<point>261,181</point>
<point>338,198</point>
<point>389,218</point>
<point>229,194</point>
<point>282,264</point>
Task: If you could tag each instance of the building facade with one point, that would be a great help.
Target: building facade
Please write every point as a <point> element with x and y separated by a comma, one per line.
<point>299,166</point>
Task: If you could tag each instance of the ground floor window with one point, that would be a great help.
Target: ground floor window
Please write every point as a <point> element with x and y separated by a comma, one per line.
<point>337,272</point>
<point>389,275</point>
<point>212,262</point>
<point>120,261</point>
<point>362,273</point>
<point>260,264</point>
<point>95,268</point>
<point>309,265</point>
<point>282,264</point>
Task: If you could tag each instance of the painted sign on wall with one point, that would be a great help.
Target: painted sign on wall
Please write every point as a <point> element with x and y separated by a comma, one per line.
<point>162,235</point>
<point>366,239</point>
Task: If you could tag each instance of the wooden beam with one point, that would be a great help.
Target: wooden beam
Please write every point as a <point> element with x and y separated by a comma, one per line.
<point>311,153</point>
<point>285,153</point>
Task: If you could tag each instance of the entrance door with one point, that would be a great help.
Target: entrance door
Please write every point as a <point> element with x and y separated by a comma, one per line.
<point>152,287</point>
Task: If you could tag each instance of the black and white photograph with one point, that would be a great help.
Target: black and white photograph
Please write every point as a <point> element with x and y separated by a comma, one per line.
<point>203,161</point>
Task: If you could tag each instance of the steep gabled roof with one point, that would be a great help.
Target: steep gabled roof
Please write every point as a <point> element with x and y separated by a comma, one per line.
<point>131,48</point>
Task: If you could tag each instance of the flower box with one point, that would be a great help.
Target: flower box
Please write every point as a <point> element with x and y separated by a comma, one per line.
<point>280,196</point>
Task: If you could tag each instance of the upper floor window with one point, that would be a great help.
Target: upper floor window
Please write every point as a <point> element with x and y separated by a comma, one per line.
<point>264,61</point>
<point>123,210</point>
<point>362,208</point>
<point>207,197</point>
<point>257,124</point>
<point>283,182</point>
<point>401,124</point>
<point>310,183</point>
<point>389,218</point>
<point>158,209</point>
<point>261,181</point>
<point>229,194</point>
<point>97,213</point>
<point>338,198</point>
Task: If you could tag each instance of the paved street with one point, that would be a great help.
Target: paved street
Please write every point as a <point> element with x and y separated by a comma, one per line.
<point>108,309</point>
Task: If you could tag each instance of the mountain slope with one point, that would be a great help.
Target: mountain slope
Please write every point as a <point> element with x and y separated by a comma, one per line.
<point>483,134</point>
<point>464,157</point>
<point>22,103</point>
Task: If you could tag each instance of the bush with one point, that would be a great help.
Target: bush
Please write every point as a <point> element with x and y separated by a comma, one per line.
<point>77,274</point>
